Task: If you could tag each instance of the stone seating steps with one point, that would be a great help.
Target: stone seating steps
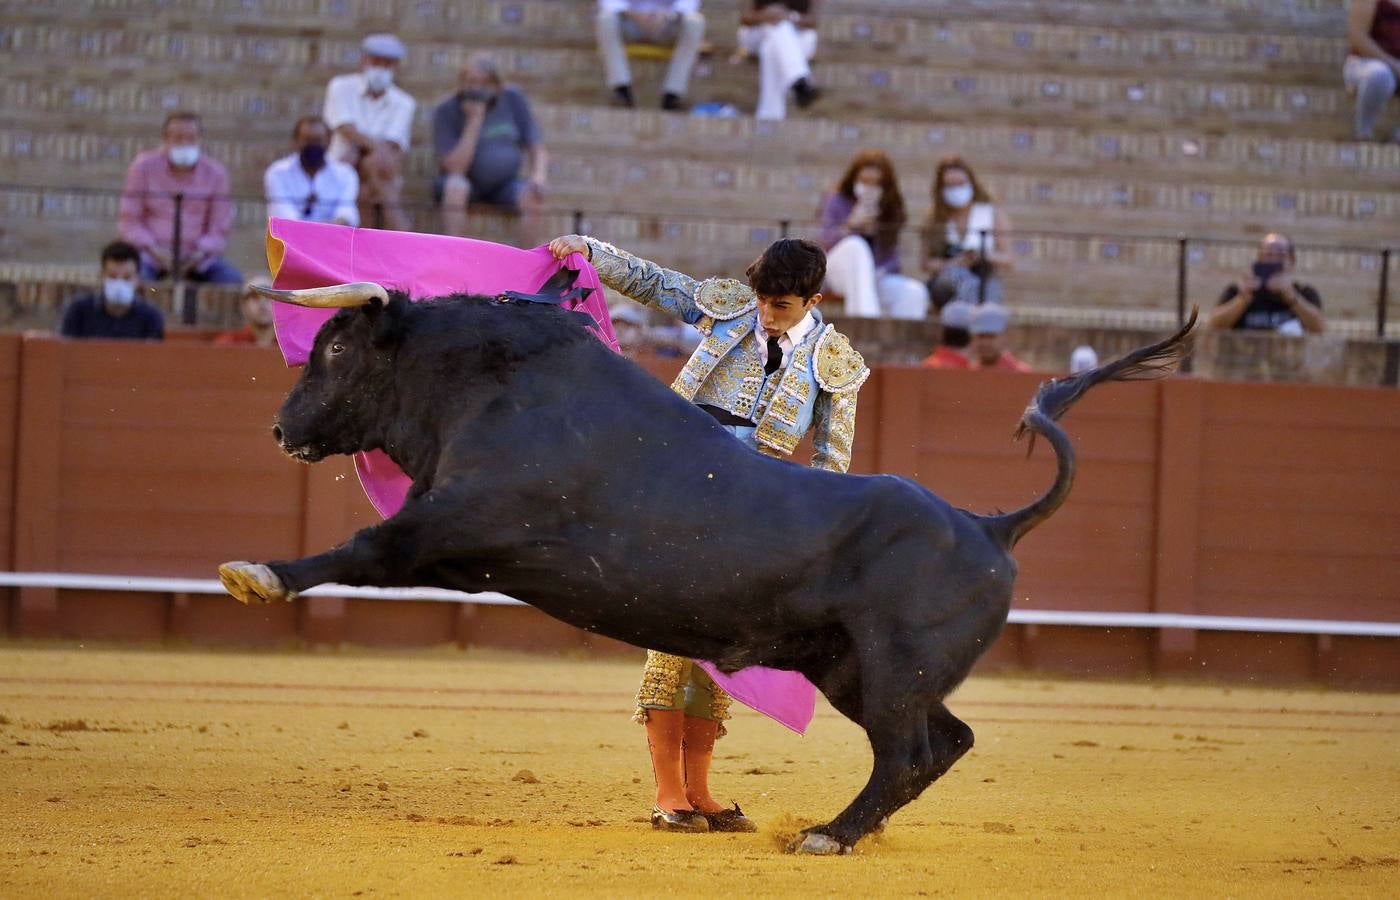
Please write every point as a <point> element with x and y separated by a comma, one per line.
<point>995,44</point>
<point>1084,274</point>
<point>425,18</point>
<point>945,94</point>
<point>48,147</point>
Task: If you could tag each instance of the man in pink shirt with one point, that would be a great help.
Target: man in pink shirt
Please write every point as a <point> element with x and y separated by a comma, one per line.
<point>147,215</point>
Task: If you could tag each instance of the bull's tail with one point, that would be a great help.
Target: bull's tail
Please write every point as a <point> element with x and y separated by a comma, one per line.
<point>1054,398</point>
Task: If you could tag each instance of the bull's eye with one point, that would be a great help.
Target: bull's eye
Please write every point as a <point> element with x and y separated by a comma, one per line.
<point>337,349</point>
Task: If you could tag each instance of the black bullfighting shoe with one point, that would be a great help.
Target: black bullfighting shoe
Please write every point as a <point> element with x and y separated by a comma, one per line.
<point>680,820</point>
<point>730,820</point>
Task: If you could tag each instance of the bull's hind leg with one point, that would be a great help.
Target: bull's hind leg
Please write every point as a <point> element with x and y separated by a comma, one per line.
<point>895,719</point>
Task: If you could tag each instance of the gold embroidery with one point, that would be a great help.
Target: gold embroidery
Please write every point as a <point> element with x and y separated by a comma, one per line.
<point>661,679</point>
<point>725,298</point>
<point>839,367</point>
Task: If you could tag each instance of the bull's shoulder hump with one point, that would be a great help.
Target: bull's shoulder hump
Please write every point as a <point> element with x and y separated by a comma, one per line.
<point>725,298</point>
<point>839,367</point>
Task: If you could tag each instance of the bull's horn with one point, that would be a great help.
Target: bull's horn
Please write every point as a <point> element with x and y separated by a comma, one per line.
<point>336,296</point>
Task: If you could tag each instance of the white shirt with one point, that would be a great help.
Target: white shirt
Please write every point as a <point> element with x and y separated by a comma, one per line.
<point>388,117</point>
<point>678,7</point>
<point>335,185</point>
<point>787,340</point>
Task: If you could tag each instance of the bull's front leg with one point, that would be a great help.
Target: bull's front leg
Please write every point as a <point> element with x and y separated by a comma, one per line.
<point>383,555</point>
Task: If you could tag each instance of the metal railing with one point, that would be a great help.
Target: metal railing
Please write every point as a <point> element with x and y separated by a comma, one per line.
<point>1189,249</point>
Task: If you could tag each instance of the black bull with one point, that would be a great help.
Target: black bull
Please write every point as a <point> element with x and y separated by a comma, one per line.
<point>551,469</point>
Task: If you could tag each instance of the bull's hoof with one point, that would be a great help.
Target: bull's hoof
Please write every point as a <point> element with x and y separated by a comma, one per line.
<point>253,583</point>
<point>814,843</point>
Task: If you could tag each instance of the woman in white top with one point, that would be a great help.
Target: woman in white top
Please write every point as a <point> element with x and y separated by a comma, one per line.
<point>953,234</point>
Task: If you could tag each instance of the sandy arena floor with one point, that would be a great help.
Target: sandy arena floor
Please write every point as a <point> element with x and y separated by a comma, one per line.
<point>158,773</point>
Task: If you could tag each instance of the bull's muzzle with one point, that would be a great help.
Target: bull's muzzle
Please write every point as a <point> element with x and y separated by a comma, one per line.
<point>336,296</point>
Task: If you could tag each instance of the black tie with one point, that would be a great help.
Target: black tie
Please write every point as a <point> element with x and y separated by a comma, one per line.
<point>775,357</point>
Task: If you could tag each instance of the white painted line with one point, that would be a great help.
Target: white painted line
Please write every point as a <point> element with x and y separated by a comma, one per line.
<point>1083,619</point>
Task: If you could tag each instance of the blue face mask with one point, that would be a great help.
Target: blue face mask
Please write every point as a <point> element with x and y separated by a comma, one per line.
<point>118,291</point>
<point>313,156</point>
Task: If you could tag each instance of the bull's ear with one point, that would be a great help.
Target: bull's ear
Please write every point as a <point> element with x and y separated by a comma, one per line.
<point>386,320</point>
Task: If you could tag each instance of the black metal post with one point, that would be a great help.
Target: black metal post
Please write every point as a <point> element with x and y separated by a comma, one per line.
<point>784,226</point>
<point>578,221</point>
<point>175,235</point>
<point>1383,298</point>
<point>982,267</point>
<point>182,295</point>
<point>1182,260</point>
<point>379,215</point>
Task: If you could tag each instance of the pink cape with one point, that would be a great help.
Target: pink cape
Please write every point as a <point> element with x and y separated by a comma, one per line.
<point>309,254</point>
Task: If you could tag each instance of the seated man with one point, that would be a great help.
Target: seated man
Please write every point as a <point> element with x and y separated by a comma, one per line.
<point>114,311</point>
<point>372,120</point>
<point>1372,68</point>
<point>951,352</point>
<point>146,217</point>
<point>677,22</point>
<point>988,328</point>
<point>257,327</point>
<point>482,135</point>
<point>309,186</point>
<point>1268,299</point>
<point>783,35</point>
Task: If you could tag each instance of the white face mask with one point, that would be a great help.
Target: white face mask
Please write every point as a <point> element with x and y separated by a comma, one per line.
<point>379,78</point>
<point>184,155</point>
<point>958,196</point>
<point>118,291</point>
<point>867,193</point>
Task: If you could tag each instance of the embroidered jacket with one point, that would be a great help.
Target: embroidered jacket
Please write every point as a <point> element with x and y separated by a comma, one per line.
<point>816,390</point>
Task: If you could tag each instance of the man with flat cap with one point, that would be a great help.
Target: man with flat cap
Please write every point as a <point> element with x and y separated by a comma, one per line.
<point>953,338</point>
<point>989,351</point>
<point>371,120</point>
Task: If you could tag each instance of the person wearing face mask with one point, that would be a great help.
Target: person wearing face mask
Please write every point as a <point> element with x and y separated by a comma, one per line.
<point>115,310</point>
<point>372,120</point>
<point>488,146</point>
<point>954,260</point>
<point>146,216</point>
<point>307,184</point>
<point>860,224</point>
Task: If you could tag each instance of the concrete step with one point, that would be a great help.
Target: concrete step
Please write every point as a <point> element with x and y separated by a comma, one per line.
<point>981,45</point>
<point>931,92</point>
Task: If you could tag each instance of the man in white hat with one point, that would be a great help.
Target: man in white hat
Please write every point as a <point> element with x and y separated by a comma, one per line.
<point>372,119</point>
<point>988,349</point>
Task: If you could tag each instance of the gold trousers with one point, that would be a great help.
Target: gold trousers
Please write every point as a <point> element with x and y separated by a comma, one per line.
<point>674,682</point>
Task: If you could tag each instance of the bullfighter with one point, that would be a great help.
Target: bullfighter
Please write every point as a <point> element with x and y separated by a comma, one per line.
<point>769,370</point>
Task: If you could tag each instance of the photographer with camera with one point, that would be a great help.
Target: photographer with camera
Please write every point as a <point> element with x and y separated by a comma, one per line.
<point>481,137</point>
<point>958,264</point>
<point>1268,299</point>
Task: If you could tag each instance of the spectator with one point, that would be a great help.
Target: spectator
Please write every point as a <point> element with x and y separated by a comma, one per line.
<point>1268,299</point>
<point>860,222</point>
<point>962,210</point>
<point>1372,68</point>
<point>257,327</point>
<point>675,22</point>
<point>783,35</point>
<point>372,120</point>
<point>146,218</point>
<point>307,185</point>
<point>115,311</point>
<point>481,137</point>
<point>988,347</point>
<point>951,352</point>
